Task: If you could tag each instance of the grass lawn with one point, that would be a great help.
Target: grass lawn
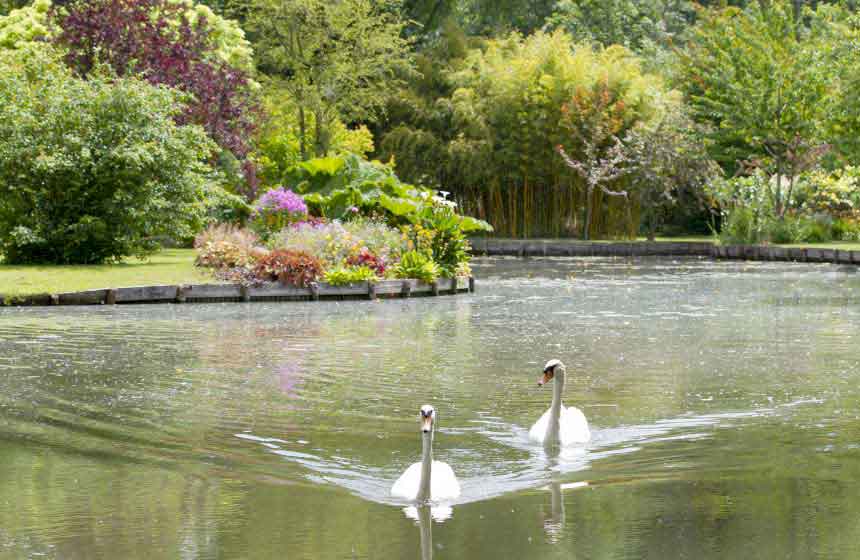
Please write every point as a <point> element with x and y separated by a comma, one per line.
<point>844,245</point>
<point>170,266</point>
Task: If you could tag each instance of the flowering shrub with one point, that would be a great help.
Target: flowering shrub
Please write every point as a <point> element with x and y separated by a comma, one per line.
<point>243,275</point>
<point>289,267</point>
<point>312,221</point>
<point>367,259</point>
<point>222,254</point>
<point>226,246</point>
<point>336,243</point>
<point>278,208</point>
<point>227,232</point>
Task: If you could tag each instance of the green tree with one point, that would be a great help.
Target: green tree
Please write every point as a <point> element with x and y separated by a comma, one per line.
<point>92,170</point>
<point>763,80</point>
<point>337,60</point>
<point>7,6</point>
<point>636,24</point>
<point>25,25</point>
<point>492,17</point>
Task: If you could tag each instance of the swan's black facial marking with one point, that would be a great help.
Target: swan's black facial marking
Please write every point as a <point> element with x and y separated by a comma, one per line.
<point>427,417</point>
<point>547,376</point>
<point>548,372</point>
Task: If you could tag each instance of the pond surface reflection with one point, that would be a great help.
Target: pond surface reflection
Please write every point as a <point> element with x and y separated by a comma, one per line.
<point>723,400</point>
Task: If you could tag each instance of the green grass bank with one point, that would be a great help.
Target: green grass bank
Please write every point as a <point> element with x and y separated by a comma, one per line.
<point>170,266</point>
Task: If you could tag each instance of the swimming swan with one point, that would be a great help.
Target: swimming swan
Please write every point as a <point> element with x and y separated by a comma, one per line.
<point>428,480</point>
<point>559,425</point>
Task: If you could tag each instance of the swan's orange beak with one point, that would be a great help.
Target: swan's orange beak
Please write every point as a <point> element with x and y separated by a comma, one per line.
<point>426,423</point>
<point>545,378</point>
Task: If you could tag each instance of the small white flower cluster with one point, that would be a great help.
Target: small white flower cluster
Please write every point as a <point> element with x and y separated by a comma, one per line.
<point>443,200</point>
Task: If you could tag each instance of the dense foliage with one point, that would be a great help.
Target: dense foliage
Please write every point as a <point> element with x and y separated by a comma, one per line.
<point>167,43</point>
<point>578,118</point>
<point>492,140</point>
<point>337,60</point>
<point>92,170</point>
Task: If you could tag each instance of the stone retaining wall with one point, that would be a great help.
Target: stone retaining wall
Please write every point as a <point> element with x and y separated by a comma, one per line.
<point>576,248</point>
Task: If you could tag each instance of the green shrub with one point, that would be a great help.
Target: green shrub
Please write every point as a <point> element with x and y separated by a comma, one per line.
<point>416,265</point>
<point>818,229</point>
<point>846,229</point>
<point>349,275</point>
<point>222,206</point>
<point>741,226</point>
<point>92,170</point>
<point>787,230</point>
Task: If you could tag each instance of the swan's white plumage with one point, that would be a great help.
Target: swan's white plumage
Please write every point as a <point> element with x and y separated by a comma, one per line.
<point>443,482</point>
<point>573,427</point>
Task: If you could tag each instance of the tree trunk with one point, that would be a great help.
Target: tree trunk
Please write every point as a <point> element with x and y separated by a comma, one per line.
<point>778,194</point>
<point>303,135</point>
<point>588,196</point>
<point>322,142</point>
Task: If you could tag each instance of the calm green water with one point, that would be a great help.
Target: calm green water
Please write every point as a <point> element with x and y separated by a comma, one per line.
<point>723,400</point>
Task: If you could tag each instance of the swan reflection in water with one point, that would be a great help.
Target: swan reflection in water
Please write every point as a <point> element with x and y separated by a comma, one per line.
<point>424,515</point>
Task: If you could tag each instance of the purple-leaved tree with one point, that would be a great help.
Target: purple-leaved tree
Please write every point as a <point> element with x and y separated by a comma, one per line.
<point>154,39</point>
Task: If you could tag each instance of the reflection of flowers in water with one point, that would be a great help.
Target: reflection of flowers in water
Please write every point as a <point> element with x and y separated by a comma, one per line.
<point>290,378</point>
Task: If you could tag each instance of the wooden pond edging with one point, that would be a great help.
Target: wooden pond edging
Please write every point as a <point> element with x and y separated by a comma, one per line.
<point>576,248</point>
<point>214,293</point>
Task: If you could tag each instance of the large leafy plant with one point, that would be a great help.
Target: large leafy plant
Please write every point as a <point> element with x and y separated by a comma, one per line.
<point>337,187</point>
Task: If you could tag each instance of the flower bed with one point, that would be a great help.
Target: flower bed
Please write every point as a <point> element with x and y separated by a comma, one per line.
<point>285,244</point>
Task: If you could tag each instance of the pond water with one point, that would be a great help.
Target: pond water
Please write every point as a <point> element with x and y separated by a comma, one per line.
<point>723,399</point>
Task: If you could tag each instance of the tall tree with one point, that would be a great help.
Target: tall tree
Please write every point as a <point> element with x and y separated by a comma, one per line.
<point>762,79</point>
<point>337,60</point>
<point>595,116</point>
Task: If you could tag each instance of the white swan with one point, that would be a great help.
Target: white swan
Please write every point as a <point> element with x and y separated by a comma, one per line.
<point>428,480</point>
<point>559,425</point>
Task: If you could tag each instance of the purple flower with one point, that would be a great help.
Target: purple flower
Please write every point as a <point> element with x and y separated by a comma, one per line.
<point>281,200</point>
<point>353,209</point>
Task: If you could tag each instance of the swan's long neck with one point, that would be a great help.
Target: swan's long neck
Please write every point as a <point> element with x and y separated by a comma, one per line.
<point>553,429</point>
<point>426,463</point>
